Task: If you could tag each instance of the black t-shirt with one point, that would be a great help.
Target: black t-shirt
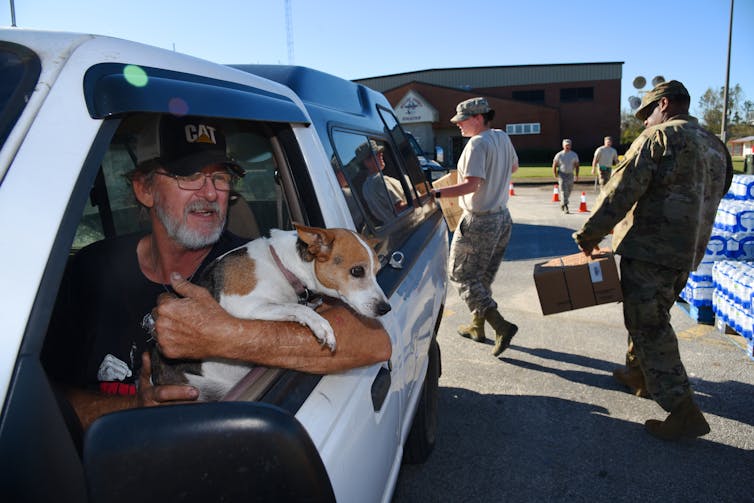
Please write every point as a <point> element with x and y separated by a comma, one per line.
<point>96,337</point>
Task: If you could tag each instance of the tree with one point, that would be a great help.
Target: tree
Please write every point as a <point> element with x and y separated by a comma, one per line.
<point>711,109</point>
<point>630,127</point>
<point>740,114</point>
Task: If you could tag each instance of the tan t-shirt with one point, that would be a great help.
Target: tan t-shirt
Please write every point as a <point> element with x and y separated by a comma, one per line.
<point>490,155</point>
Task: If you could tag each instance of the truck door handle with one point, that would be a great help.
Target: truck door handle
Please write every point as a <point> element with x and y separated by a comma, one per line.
<point>380,388</point>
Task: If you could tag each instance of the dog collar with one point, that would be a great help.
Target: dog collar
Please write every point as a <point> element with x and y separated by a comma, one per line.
<point>302,292</point>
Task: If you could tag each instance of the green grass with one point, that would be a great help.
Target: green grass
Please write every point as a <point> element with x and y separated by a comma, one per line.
<point>533,171</point>
<point>738,164</point>
<point>545,170</point>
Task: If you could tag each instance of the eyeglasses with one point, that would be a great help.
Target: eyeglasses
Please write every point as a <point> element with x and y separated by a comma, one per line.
<point>222,181</point>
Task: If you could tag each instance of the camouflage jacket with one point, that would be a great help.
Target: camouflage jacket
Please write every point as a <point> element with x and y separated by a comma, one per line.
<point>662,199</point>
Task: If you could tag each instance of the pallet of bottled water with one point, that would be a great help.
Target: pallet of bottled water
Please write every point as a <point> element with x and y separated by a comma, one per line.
<point>742,188</point>
<point>728,263</point>
<point>734,215</point>
<point>733,292</point>
<point>698,293</point>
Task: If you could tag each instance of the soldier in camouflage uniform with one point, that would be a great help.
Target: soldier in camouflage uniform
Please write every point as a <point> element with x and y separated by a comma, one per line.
<point>484,172</point>
<point>661,201</point>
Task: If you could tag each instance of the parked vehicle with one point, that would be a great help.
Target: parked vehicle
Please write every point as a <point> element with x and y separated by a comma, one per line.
<point>71,106</point>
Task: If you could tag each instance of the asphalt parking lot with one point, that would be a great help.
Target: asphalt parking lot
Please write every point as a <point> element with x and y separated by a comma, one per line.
<point>546,422</point>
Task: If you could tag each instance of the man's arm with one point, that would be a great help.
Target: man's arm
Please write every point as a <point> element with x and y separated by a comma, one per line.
<point>594,161</point>
<point>196,326</point>
<point>89,405</point>
<point>470,184</point>
<point>631,181</point>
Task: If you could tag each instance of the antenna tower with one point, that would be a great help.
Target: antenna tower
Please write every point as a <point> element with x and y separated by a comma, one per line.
<point>289,30</point>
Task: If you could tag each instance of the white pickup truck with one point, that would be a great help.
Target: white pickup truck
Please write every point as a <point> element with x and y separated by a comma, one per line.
<point>70,105</point>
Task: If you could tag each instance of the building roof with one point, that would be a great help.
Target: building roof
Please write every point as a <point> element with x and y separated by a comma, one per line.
<point>496,76</point>
<point>746,139</point>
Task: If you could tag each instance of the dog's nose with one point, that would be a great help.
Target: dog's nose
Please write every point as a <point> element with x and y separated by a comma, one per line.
<point>383,308</point>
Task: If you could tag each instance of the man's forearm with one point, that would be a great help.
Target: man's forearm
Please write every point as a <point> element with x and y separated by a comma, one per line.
<point>291,345</point>
<point>359,341</point>
<point>89,405</point>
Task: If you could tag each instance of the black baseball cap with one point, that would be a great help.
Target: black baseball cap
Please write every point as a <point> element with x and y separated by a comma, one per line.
<point>184,145</point>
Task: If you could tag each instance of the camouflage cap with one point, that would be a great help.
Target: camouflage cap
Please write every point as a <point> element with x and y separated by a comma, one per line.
<point>469,108</point>
<point>670,88</point>
<point>366,149</point>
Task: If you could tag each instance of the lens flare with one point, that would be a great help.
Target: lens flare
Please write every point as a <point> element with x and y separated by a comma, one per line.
<point>178,106</point>
<point>135,75</point>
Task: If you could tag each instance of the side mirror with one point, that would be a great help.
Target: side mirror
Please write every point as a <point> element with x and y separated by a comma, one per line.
<point>222,451</point>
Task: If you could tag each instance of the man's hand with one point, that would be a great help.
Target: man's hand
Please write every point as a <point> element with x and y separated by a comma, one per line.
<point>190,326</point>
<point>149,395</point>
<point>589,247</point>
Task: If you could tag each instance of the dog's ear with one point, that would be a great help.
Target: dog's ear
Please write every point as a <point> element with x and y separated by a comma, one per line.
<point>318,241</point>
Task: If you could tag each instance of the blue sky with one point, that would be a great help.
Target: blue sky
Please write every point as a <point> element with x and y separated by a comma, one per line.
<point>678,39</point>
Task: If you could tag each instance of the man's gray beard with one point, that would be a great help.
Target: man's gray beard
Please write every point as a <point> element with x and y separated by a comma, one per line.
<point>182,234</point>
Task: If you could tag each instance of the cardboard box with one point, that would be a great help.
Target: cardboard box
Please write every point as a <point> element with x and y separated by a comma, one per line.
<point>577,281</point>
<point>449,205</point>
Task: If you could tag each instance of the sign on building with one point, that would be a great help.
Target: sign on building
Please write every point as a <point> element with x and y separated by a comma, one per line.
<point>413,108</point>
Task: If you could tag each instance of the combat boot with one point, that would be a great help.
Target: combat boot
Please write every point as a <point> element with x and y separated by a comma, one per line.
<point>686,420</point>
<point>474,331</point>
<point>633,378</point>
<point>504,330</point>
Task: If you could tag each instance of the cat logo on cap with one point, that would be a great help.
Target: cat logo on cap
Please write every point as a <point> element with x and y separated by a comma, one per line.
<point>200,134</point>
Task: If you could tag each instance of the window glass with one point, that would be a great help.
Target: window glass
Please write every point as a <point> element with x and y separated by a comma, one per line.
<point>411,162</point>
<point>530,96</point>
<point>374,189</point>
<point>576,94</point>
<point>20,69</point>
<point>529,128</point>
<point>260,188</point>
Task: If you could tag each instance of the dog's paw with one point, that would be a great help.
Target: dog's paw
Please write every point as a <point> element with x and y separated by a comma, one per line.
<point>324,333</point>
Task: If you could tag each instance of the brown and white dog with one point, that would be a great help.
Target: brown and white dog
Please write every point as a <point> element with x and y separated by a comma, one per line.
<point>272,279</point>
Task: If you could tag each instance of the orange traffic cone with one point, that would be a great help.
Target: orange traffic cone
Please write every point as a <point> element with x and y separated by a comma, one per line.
<point>511,190</point>
<point>555,194</point>
<point>582,206</point>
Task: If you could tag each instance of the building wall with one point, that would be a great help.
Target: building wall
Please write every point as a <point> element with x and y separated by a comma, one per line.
<point>561,109</point>
<point>584,122</point>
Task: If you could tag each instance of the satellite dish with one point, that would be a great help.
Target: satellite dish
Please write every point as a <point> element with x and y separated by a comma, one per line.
<point>640,82</point>
<point>658,80</point>
<point>634,102</point>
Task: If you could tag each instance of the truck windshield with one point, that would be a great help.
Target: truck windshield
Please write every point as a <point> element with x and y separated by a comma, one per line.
<point>20,69</point>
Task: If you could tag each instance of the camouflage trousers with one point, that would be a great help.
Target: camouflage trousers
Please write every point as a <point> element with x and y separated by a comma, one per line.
<point>476,252</point>
<point>565,186</point>
<point>604,175</point>
<point>649,291</point>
